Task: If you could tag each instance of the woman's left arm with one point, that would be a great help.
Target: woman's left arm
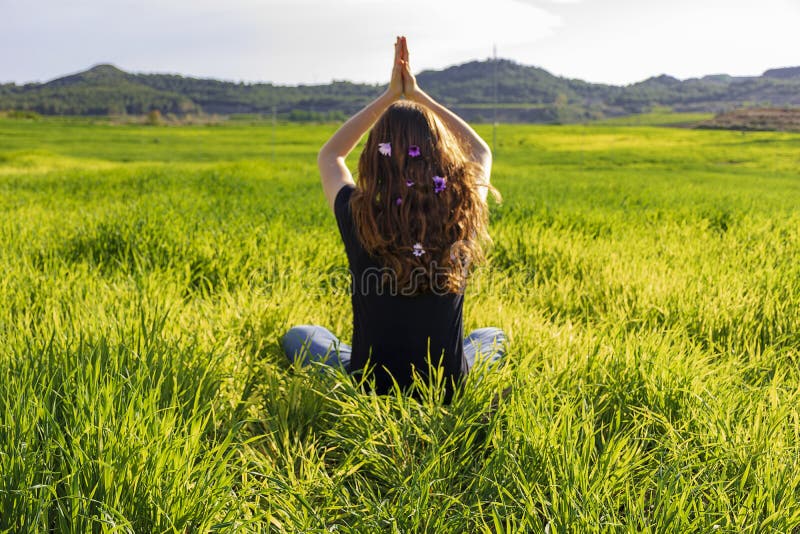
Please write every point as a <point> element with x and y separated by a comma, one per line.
<point>332,168</point>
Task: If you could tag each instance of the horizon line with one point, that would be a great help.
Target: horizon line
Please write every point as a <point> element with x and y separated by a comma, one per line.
<point>378,84</point>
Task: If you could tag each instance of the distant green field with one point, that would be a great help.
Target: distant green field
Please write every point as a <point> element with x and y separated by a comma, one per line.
<point>656,118</point>
<point>649,280</point>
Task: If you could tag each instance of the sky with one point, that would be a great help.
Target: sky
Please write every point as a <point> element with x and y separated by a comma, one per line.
<point>291,42</point>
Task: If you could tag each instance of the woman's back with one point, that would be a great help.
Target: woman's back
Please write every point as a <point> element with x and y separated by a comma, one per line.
<point>396,328</point>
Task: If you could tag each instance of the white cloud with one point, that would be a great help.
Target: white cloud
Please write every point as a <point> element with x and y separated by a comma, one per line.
<point>622,41</point>
<point>279,40</point>
<point>439,33</point>
<point>314,41</point>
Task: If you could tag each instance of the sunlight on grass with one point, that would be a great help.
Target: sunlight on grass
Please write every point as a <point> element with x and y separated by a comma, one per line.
<point>649,280</point>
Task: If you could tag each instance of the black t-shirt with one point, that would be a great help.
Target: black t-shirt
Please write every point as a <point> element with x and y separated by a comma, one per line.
<point>396,333</point>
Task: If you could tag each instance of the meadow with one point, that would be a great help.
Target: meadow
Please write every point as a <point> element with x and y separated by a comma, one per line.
<point>648,279</point>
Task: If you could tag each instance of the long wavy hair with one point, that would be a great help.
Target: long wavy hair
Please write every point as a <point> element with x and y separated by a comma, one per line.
<point>429,232</point>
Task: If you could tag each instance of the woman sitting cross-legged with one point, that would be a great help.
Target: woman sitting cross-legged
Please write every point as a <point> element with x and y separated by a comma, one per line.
<point>413,228</point>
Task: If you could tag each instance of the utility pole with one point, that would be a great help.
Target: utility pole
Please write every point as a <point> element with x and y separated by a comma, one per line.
<point>274,128</point>
<point>494,114</point>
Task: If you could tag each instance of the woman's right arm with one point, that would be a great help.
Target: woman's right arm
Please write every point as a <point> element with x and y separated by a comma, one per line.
<point>332,168</point>
<point>478,150</point>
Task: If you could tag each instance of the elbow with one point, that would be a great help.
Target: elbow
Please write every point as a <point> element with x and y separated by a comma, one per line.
<point>327,157</point>
<point>486,149</point>
<point>325,160</point>
<point>323,157</point>
<point>485,159</point>
<point>482,153</point>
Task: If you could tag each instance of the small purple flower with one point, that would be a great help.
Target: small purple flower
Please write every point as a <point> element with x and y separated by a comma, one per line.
<point>439,184</point>
<point>418,250</point>
<point>409,183</point>
<point>385,148</point>
<point>398,201</point>
<point>413,151</point>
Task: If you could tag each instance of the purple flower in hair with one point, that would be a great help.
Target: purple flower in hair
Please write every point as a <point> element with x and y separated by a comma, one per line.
<point>418,250</point>
<point>409,183</point>
<point>439,184</point>
<point>385,148</point>
<point>398,201</point>
<point>413,151</point>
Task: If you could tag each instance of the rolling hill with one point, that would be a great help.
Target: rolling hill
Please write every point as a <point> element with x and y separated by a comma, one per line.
<point>524,94</point>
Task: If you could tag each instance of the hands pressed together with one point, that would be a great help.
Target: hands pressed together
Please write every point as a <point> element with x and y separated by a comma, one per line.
<point>403,81</point>
<point>335,173</point>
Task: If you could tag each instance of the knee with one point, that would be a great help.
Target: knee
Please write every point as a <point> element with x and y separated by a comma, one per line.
<point>488,334</point>
<point>490,341</point>
<point>498,340</point>
<point>499,336</point>
<point>294,338</point>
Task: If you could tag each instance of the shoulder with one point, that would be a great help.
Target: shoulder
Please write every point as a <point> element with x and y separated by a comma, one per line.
<point>342,200</point>
<point>342,212</point>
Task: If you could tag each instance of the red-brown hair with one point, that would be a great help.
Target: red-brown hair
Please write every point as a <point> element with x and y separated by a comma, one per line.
<point>450,225</point>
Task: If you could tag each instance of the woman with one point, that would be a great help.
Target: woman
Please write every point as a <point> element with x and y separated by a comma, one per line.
<point>412,227</point>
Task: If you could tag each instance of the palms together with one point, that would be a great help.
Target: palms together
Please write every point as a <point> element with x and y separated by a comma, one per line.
<point>403,81</point>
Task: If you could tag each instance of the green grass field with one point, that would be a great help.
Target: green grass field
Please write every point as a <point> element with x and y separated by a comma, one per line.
<point>649,280</point>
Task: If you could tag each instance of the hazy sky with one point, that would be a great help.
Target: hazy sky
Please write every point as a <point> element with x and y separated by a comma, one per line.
<point>315,41</point>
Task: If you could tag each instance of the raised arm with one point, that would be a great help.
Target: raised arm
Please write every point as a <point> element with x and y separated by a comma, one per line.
<point>332,168</point>
<point>477,149</point>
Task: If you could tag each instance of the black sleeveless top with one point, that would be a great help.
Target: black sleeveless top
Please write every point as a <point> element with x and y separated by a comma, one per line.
<point>394,332</point>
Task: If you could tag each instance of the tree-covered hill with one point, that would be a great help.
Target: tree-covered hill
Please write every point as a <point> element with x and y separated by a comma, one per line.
<point>101,90</point>
<point>523,94</point>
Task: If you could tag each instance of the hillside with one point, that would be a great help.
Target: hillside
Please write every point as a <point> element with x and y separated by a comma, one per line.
<point>757,119</point>
<point>101,90</point>
<point>524,94</point>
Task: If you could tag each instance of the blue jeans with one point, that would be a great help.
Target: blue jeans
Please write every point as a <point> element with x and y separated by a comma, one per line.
<point>311,343</point>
